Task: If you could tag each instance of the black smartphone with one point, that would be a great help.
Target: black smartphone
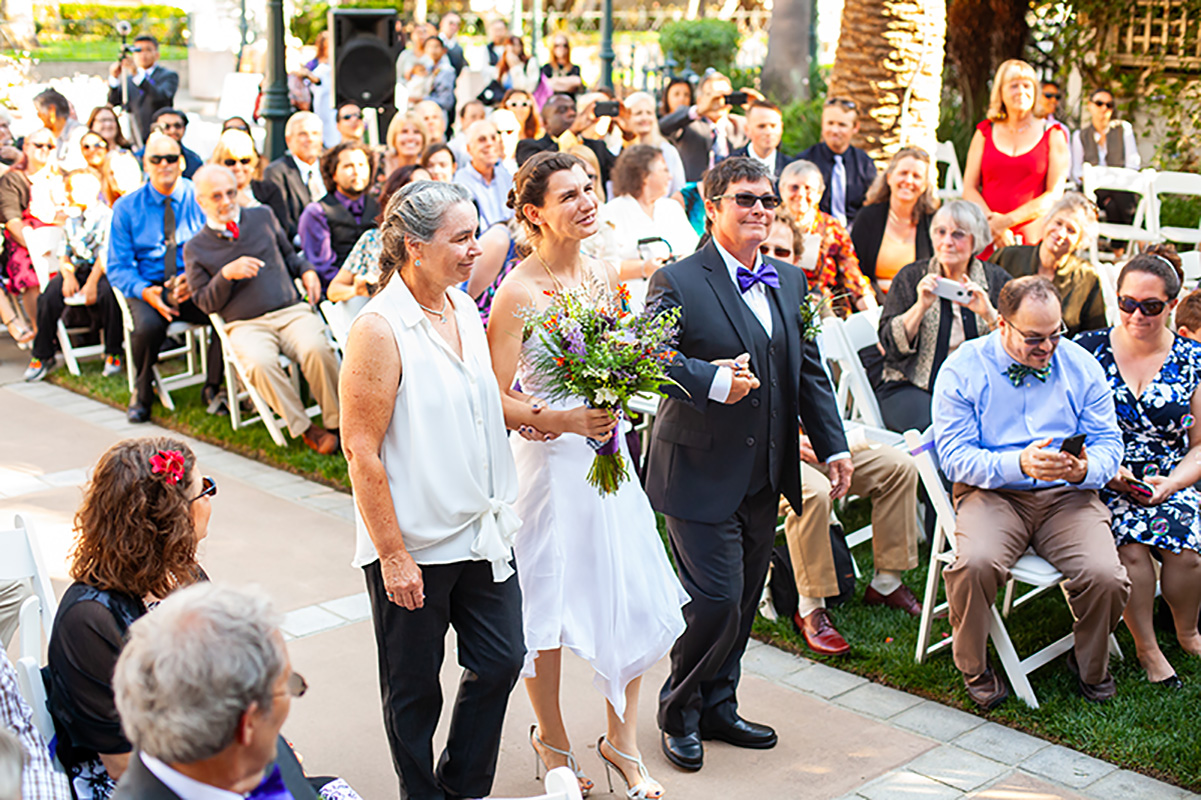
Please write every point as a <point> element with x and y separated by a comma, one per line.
<point>737,98</point>
<point>1073,444</point>
<point>607,108</point>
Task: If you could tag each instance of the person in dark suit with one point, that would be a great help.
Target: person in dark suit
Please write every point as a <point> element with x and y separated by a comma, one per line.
<point>725,446</point>
<point>202,688</point>
<point>149,87</point>
<point>847,170</point>
<point>173,123</point>
<point>564,127</point>
<point>297,173</point>
<point>765,127</point>
<point>706,133</point>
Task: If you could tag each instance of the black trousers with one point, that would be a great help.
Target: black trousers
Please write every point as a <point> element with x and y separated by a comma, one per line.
<point>723,567</point>
<point>149,333</point>
<point>103,315</point>
<point>904,406</point>
<point>487,619</point>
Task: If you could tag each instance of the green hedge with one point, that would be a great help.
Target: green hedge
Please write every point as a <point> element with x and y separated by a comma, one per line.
<point>313,17</point>
<point>702,42</point>
<point>168,24</point>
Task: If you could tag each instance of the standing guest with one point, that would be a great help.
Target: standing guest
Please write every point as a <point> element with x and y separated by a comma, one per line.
<point>705,132</point>
<point>297,173</point>
<point>485,176</point>
<point>36,778</point>
<point>893,227</point>
<point>1154,377</point>
<point>81,271</point>
<point>434,117</point>
<point>765,129</point>
<point>562,75</point>
<point>329,227</point>
<point>148,86</point>
<point>1003,405</point>
<point>677,95</point>
<point>448,30</point>
<point>407,138</point>
<point>55,113</point>
<point>95,152</point>
<point>174,123</point>
<point>441,82</point>
<point>595,578</point>
<point>828,258</point>
<point>434,482</point>
<point>413,54</point>
<point>322,88</point>
<point>348,120</point>
<point>644,125</point>
<point>439,161</point>
<point>1106,142</point>
<point>1070,227</point>
<point>498,40</point>
<point>565,127</point>
<point>1017,161</point>
<point>1049,104</point>
<point>521,103</point>
<point>235,151</point>
<point>919,329</point>
<point>103,120</point>
<point>741,370</point>
<point>847,171</point>
<point>241,266</point>
<point>516,70</point>
<point>150,225</point>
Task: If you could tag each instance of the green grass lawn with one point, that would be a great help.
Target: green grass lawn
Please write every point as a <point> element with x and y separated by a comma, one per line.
<point>1146,728</point>
<point>94,50</point>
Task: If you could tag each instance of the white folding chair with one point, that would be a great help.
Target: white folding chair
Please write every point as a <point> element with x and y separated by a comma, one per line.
<point>840,341</point>
<point>339,317</point>
<point>1120,179</point>
<point>1190,261</point>
<point>952,184</point>
<point>238,388</point>
<point>29,682</point>
<point>194,349</point>
<point>1031,569</point>
<point>45,245</point>
<point>560,784</point>
<point>21,558</point>
<point>1174,183</point>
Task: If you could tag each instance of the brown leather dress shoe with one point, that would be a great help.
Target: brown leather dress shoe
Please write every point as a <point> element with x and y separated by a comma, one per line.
<point>320,440</point>
<point>899,597</point>
<point>987,690</point>
<point>1101,692</point>
<point>820,634</point>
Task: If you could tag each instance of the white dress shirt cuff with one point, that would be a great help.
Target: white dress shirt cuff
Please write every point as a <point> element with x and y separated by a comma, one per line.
<point>1011,467</point>
<point>113,82</point>
<point>838,457</point>
<point>719,390</point>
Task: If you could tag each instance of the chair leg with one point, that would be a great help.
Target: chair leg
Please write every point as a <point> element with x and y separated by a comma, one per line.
<point>927,619</point>
<point>64,343</point>
<point>1010,661</point>
<point>1007,605</point>
<point>1115,649</point>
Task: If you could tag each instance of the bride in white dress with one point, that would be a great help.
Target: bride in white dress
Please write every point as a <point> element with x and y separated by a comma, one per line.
<point>594,573</point>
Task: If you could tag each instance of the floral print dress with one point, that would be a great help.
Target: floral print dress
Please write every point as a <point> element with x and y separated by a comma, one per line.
<point>1155,428</point>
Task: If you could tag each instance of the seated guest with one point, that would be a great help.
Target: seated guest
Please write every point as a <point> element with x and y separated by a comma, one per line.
<point>828,259</point>
<point>521,104</point>
<point>55,113</point>
<point>644,125</point>
<point>203,687</point>
<point>516,70</point>
<point>241,266</point>
<point>847,172</point>
<point>485,176</point>
<point>1070,226</point>
<point>407,138</point>
<point>95,152</point>
<point>39,780</point>
<point>1106,142</point>
<point>1188,316</point>
<point>144,513</point>
<point>348,118</point>
<point>81,271</point>
<point>706,132</point>
<point>439,161</point>
<point>150,226</point>
<point>919,328</point>
<point>434,118</point>
<point>235,150</point>
<point>470,113</point>
<point>103,120</point>
<point>565,129</point>
<point>1003,404</point>
<point>297,173</point>
<point>329,227</point>
<point>1154,375</point>
<point>765,129</point>
<point>639,212</point>
<point>174,123</point>
<point>510,135</point>
<point>893,227</point>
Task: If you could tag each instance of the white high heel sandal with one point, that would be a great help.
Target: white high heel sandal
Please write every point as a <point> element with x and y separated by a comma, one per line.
<point>586,784</point>
<point>640,791</point>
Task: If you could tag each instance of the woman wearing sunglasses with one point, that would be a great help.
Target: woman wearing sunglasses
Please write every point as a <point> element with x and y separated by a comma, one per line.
<point>934,306</point>
<point>1106,142</point>
<point>235,150</point>
<point>1155,376</point>
<point>521,103</point>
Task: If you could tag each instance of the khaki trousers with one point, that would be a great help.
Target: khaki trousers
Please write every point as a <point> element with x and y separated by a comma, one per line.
<point>889,477</point>
<point>298,333</point>
<point>1069,528</point>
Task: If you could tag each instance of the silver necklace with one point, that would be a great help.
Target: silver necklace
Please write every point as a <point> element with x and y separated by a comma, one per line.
<point>441,315</point>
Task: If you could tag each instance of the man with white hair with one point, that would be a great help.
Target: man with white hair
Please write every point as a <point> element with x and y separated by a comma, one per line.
<point>203,687</point>
<point>485,175</point>
<point>297,172</point>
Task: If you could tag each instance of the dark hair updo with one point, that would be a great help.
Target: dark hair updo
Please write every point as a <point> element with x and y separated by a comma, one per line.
<point>531,181</point>
<point>1161,261</point>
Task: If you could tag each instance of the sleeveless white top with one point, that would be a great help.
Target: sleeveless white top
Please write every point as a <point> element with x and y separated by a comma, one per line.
<point>446,452</point>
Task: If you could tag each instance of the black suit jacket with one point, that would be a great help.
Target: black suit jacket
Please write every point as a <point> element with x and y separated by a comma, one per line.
<point>139,783</point>
<point>156,91</point>
<point>293,193</point>
<point>699,465</point>
<point>781,159</point>
<point>531,147</point>
<point>694,139</point>
<point>861,171</point>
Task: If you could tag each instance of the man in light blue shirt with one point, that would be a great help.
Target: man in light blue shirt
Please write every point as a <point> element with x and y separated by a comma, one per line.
<point>485,176</point>
<point>1003,404</point>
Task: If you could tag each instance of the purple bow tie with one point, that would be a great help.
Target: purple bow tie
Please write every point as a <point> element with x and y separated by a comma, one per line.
<point>272,787</point>
<point>766,274</point>
<point>356,206</point>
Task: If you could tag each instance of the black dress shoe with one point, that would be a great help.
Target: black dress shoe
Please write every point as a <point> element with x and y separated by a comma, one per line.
<point>742,733</point>
<point>138,413</point>
<point>686,751</point>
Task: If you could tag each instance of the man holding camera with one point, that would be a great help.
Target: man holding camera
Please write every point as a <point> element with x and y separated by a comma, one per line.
<point>565,127</point>
<point>706,132</point>
<point>149,86</point>
<point>145,263</point>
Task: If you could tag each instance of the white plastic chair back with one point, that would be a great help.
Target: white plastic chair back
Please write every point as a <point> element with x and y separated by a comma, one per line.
<point>1174,183</point>
<point>1120,179</point>
<point>20,558</point>
<point>952,184</point>
<point>44,244</point>
<point>1190,261</point>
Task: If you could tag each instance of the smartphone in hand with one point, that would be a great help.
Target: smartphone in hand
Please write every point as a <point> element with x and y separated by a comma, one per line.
<point>1073,445</point>
<point>954,291</point>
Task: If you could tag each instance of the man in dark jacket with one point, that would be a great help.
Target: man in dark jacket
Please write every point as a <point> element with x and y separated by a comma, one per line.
<point>149,87</point>
<point>705,133</point>
<point>297,173</point>
<point>847,170</point>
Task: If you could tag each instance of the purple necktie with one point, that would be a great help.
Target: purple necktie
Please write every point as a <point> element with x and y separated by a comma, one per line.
<point>766,274</point>
<point>272,787</point>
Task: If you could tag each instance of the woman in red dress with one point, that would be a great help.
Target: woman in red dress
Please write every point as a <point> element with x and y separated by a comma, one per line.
<point>1017,161</point>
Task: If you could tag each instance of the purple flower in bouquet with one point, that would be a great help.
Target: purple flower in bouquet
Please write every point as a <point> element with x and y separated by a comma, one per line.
<point>573,341</point>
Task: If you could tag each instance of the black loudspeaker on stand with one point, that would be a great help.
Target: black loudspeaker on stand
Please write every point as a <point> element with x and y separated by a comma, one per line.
<point>364,61</point>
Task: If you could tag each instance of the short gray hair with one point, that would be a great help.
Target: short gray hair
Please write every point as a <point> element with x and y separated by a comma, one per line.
<point>415,212</point>
<point>801,169</point>
<point>1078,205</point>
<point>12,762</point>
<point>969,217</point>
<point>193,666</point>
<point>297,119</point>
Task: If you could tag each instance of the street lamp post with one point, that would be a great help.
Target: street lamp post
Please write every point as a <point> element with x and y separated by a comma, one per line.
<point>606,52</point>
<point>276,107</point>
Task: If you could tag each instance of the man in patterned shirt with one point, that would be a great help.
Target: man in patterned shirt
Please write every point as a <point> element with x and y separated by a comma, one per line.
<point>39,780</point>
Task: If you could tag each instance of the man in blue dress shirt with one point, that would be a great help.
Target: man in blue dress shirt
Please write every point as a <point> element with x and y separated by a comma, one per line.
<point>1003,404</point>
<point>145,255</point>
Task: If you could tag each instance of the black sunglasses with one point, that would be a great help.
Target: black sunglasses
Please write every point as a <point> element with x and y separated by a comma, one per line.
<point>849,105</point>
<point>42,145</point>
<point>208,488</point>
<point>748,200</point>
<point>171,158</point>
<point>94,146</point>
<point>350,116</point>
<point>1103,103</point>
<point>1150,308</point>
<point>1052,95</point>
<point>782,253</point>
<point>1034,341</point>
<point>172,126</point>
<point>229,162</point>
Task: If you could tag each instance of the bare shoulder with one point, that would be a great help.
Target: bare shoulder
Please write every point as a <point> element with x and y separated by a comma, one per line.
<point>371,343</point>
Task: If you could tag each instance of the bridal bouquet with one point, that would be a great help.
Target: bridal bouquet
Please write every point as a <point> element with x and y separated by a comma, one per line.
<point>595,348</point>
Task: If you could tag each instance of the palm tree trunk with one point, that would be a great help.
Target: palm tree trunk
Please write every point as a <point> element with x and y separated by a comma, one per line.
<point>786,68</point>
<point>889,61</point>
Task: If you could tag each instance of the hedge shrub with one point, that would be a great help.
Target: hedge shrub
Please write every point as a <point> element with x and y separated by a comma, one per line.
<point>702,42</point>
<point>168,24</point>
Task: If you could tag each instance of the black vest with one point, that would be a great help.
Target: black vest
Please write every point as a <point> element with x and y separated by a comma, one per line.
<point>343,230</point>
<point>769,362</point>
